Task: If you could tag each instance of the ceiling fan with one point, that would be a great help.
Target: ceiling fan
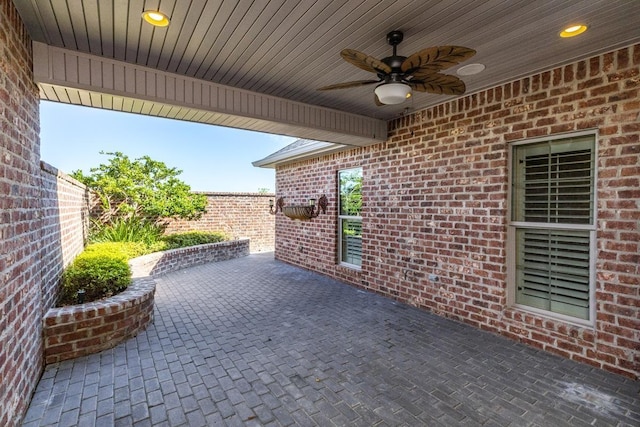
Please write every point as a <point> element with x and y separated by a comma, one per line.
<point>399,75</point>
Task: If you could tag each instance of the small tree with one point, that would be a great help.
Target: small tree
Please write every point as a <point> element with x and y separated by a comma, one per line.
<point>351,193</point>
<point>143,188</point>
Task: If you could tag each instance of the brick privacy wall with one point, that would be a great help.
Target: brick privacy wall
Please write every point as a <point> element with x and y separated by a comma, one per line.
<point>66,204</point>
<point>79,330</point>
<point>435,202</point>
<point>164,262</point>
<point>239,215</point>
<point>20,224</point>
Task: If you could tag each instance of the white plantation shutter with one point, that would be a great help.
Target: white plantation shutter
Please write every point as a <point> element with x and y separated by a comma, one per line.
<point>554,183</point>
<point>553,209</point>
<point>553,270</point>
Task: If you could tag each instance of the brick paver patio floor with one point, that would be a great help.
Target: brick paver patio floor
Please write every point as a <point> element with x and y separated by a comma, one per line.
<point>254,341</point>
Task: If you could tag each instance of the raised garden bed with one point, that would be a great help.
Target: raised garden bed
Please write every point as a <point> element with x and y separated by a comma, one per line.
<point>83,329</point>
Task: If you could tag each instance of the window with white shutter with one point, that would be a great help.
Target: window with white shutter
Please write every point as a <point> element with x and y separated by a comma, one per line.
<point>350,217</point>
<point>553,225</point>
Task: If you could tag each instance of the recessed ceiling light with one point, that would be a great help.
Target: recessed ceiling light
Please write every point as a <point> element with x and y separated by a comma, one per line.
<point>470,70</point>
<point>156,18</point>
<point>573,30</point>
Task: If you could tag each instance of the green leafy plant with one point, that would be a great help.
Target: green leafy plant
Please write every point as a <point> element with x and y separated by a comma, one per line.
<point>141,188</point>
<point>101,270</point>
<point>99,275</point>
<point>126,230</point>
<point>192,238</point>
<point>120,250</point>
<point>351,192</point>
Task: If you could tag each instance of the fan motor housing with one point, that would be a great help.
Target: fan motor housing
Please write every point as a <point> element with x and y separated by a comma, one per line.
<point>394,61</point>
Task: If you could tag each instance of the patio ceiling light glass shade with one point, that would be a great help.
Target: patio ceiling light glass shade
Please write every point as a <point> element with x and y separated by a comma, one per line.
<point>393,93</point>
<point>573,30</point>
<point>155,18</point>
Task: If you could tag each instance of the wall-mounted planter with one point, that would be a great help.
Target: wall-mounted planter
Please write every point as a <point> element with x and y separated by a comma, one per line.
<point>303,212</point>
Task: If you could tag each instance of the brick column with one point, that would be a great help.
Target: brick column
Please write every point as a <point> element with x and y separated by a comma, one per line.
<point>20,225</point>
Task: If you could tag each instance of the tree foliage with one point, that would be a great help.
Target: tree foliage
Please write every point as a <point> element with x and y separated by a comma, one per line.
<point>141,188</point>
<point>351,192</point>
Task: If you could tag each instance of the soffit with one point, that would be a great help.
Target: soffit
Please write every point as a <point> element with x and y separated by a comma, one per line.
<point>287,49</point>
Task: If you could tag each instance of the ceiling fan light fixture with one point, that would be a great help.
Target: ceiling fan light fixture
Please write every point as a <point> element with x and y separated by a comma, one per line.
<point>573,30</point>
<point>393,93</point>
<point>155,18</point>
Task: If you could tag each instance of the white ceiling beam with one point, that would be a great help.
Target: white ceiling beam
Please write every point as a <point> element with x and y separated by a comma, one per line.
<point>95,81</point>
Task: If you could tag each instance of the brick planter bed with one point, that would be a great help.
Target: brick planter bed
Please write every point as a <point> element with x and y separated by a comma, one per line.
<point>84,329</point>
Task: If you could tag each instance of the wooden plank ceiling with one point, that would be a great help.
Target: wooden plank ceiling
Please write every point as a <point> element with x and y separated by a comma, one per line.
<point>288,49</point>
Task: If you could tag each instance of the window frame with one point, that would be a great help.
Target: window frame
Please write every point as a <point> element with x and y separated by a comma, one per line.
<point>341,218</point>
<point>513,226</point>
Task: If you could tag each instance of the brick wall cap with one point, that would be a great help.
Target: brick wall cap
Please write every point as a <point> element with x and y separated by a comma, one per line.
<point>139,290</point>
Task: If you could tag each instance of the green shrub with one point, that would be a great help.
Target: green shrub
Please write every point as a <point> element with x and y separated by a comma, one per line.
<point>101,270</point>
<point>122,250</point>
<point>127,230</point>
<point>158,246</point>
<point>192,238</point>
<point>98,274</point>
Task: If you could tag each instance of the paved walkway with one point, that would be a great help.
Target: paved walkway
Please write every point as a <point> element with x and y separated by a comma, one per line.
<point>254,341</point>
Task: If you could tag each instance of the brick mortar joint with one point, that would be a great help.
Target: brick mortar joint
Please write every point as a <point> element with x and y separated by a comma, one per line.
<point>139,291</point>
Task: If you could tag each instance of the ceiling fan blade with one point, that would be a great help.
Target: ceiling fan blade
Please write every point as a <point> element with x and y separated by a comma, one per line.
<point>434,59</point>
<point>349,84</point>
<point>440,84</point>
<point>423,74</point>
<point>365,62</point>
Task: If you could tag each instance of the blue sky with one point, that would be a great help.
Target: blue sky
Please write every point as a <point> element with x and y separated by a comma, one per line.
<point>212,158</point>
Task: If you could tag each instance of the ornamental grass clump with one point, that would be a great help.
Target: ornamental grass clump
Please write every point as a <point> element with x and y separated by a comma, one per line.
<point>126,230</point>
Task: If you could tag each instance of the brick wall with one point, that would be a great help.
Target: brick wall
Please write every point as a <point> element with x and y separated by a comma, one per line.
<point>65,216</point>
<point>20,222</point>
<point>313,244</point>
<point>79,330</point>
<point>435,197</point>
<point>159,263</point>
<point>239,215</point>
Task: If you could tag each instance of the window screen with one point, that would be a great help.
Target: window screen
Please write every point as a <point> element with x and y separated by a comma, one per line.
<point>349,216</point>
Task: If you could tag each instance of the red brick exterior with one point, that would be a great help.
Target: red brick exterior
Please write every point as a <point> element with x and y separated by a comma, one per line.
<point>435,202</point>
<point>159,263</point>
<point>65,215</point>
<point>20,224</point>
<point>79,330</point>
<point>239,215</point>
